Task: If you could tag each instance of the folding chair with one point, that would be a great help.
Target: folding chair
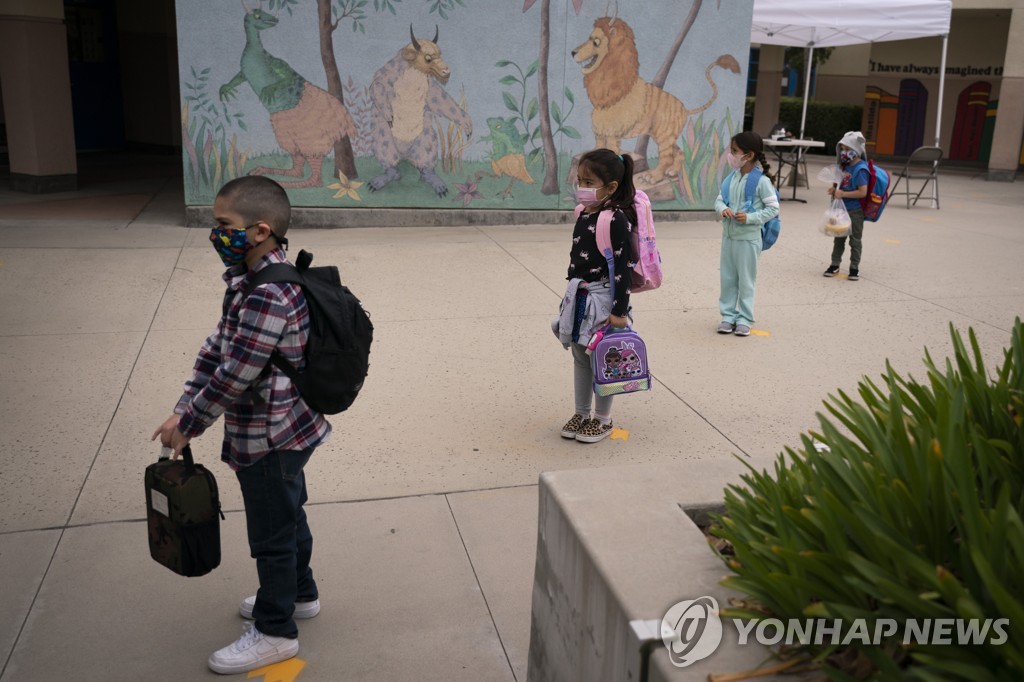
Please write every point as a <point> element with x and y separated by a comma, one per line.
<point>922,165</point>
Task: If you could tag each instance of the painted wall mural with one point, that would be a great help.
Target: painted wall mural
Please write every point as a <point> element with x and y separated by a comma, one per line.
<point>458,103</point>
<point>913,108</point>
<point>969,124</point>
<point>881,112</point>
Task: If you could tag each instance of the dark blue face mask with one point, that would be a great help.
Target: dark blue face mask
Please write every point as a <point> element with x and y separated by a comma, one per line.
<point>230,244</point>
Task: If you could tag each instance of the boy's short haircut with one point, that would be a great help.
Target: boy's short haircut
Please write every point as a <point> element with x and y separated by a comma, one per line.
<point>256,199</point>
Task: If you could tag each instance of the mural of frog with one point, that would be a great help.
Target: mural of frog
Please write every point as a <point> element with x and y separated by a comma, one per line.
<point>507,152</point>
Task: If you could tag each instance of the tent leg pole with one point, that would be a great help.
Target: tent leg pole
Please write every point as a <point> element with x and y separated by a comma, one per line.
<point>807,89</point>
<point>938,115</point>
<point>803,119</point>
<point>942,83</point>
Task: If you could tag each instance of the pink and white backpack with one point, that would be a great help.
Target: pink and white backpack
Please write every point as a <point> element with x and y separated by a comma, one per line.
<point>646,272</point>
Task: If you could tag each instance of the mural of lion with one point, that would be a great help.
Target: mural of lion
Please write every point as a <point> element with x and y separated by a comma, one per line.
<point>627,106</point>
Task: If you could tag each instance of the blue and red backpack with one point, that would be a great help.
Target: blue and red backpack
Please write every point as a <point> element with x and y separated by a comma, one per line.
<point>878,192</point>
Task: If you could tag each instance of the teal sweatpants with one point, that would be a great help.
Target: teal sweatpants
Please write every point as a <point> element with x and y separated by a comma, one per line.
<point>738,268</point>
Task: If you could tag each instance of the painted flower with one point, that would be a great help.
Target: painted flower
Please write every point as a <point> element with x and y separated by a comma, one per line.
<point>346,188</point>
<point>467,192</point>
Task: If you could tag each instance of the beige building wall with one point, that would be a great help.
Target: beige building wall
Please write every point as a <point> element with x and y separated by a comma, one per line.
<point>977,47</point>
<point>769,88</point>
<point>986,43</point>
<point>37,95</point>
<point>1009,129</point>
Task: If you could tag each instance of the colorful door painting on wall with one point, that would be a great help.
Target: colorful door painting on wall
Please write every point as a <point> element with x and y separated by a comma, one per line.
<point>988,131</point>
<point>881,111</point>
<point>969,124</point>
<point>913,108</point>
<point>424,104</point>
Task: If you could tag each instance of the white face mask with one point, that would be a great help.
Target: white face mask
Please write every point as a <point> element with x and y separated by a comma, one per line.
<point>586,195</point>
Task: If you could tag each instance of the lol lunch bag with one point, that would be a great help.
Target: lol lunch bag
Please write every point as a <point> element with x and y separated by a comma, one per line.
<point>183,515</point>
<point>620,362</point>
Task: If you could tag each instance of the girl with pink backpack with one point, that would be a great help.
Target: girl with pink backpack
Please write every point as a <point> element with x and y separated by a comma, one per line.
<point>604,268</point>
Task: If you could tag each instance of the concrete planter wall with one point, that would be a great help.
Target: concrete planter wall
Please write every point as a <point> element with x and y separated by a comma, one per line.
<point>615,547</point>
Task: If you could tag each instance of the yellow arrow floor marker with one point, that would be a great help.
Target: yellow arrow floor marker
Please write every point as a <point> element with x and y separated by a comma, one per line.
<point>760,332</point>
<point>892,241</point>
<point>619,434</point>
<point>285,671</point>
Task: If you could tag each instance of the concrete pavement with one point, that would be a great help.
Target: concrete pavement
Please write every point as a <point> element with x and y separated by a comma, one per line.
<point>423,503</point>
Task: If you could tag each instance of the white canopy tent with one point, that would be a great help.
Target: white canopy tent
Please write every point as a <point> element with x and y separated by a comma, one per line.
<point>831,23</point>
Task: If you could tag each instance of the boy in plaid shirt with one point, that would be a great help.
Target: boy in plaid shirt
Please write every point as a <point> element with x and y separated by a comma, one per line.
<point>269,431</point>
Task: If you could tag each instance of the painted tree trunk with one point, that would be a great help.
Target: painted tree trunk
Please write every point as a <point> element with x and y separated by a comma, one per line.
<point>659,80</point>
<point>550,184</point>
<point>344,159</point>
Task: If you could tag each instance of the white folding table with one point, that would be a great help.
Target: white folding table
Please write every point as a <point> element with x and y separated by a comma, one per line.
<point>780,147</point>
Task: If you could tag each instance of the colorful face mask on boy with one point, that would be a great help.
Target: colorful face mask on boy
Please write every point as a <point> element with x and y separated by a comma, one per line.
<point>231,245</point>
<point>846,156</point>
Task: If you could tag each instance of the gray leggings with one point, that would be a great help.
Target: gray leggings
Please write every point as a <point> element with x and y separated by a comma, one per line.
<point>583,377</point>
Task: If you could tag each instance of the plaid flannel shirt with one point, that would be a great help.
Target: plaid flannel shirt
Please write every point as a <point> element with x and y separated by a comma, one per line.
<point>262,410</point>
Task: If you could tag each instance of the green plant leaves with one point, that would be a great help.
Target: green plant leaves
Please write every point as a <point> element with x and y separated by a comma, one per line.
<point>914,512</point>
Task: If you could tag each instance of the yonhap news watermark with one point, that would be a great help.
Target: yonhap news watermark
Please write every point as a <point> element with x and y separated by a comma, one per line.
<point>693,629</point>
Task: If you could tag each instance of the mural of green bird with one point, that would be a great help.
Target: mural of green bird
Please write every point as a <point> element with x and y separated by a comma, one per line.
<point>306,120</point>
<point>507,157</point>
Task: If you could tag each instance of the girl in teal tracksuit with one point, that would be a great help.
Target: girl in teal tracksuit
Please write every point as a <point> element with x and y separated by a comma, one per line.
<point>741,233</point>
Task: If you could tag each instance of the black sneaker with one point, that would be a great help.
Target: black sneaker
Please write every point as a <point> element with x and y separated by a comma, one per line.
<point>854,275</point>
<point>831,271</point>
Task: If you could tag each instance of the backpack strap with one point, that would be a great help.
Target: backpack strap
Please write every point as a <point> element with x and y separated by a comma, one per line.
<point>750,191</point>
<point>273,274</point>
<point>604,243</point>
<point>872,178</point>
<point>725,188</point>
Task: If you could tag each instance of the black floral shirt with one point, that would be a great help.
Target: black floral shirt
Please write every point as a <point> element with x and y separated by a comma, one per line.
<point>587,262</point>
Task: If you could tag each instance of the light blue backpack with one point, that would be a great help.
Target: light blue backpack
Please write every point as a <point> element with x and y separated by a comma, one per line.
<point>769,230</point>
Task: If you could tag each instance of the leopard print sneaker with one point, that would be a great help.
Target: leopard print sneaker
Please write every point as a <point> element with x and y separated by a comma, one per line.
<point>593,430</point>
<point>572,426</point>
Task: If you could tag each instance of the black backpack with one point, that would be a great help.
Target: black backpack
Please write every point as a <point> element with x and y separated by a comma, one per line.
<point>340,334</point>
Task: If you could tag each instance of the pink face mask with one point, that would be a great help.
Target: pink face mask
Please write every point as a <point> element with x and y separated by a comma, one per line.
<point>586,195</point>
<point>734,160</point>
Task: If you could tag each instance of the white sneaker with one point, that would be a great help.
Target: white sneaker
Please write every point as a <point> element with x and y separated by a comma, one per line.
<point>303,609</point>
<point>252,650</point>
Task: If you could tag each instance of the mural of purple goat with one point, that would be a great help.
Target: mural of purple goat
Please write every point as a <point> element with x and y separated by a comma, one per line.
<point>407,95</point>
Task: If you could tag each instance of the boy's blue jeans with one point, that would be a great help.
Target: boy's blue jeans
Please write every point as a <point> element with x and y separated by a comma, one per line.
<point>274,490</point>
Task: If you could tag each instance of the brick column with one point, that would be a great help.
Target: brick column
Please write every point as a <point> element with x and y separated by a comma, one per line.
<point>37,96</point>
